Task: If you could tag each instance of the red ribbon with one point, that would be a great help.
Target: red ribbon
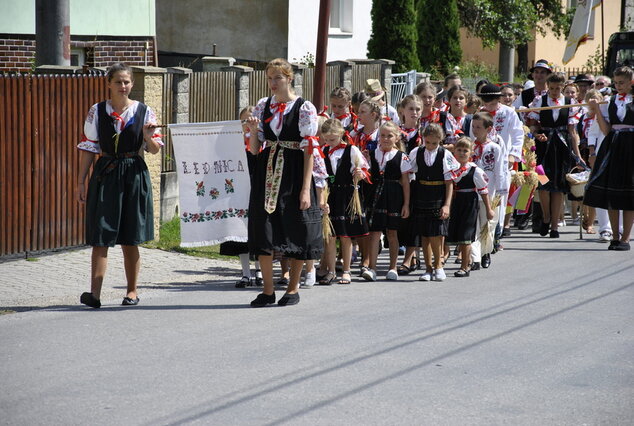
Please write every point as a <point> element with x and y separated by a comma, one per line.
<point>313,143</point>
<point>118,118</point>
<point>622,97</point>
<point>342,116</point>
<point>332,150</point>
<point>323,112</point>
<point>280,107</point>
<point>555,100</point>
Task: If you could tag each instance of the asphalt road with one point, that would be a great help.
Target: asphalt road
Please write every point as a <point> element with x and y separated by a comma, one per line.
<point>543,337</point>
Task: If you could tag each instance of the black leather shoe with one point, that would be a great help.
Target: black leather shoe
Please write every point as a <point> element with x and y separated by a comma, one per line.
<point>486,261</point>
<point>262,300</point>
<point>89,300</point>
<point>621,246</point>
<point>475,266</point>
<point>554,234</point>
<point>128,301</point>
<point>289,299</point>
<point>543,230</point>
<point>613,244</point>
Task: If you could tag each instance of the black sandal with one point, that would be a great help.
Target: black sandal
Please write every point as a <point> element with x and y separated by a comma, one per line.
<point>403,269</point>
<point>244,281</point>
<point>461,273</point>
<point>327,279</point>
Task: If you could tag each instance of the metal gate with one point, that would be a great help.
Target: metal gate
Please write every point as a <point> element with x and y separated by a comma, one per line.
<point>402,85</point>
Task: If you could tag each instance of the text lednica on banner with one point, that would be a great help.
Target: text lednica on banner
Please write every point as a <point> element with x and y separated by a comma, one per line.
<point>213,182</point>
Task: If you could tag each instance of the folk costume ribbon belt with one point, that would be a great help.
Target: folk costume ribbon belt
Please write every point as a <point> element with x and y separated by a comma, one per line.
<point>431,182</point>
<point>274,172</point>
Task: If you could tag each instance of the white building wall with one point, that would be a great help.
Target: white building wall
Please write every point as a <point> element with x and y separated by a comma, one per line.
<point>351,43</point>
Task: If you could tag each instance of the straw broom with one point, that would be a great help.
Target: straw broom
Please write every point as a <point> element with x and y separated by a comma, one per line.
<point>486,242</point>
<point>354,209</point>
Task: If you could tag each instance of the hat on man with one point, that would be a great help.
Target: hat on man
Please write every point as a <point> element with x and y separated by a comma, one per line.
<point>373,89</point>
<point>489,92</point>
<point>584,78</point>
<point>542,63</point>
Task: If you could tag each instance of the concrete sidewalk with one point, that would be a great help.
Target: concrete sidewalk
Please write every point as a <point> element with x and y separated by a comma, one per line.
<point>59,278</point>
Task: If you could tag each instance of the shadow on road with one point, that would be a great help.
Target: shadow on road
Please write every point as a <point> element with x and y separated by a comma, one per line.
<point>202,411</point>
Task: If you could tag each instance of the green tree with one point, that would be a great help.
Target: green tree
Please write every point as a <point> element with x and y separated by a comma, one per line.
<point>514,22</point>
<point>394,33</point>
<point>438,35</point>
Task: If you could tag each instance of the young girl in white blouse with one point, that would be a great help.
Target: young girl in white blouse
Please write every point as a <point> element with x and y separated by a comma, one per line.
<point>388,201</point>
<point>431,193</point>
<point>344,163</point>
<point>284,207</point>
<point>119,196</point>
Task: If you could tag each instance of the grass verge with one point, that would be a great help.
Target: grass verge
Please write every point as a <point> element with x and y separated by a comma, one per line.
<point>170,239</point>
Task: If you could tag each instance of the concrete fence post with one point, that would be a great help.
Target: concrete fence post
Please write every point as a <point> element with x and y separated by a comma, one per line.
<point>386,77</point>
<point>180,89</point>
<point>345,73</point>
<point>243,78</point>
<point>148,88</point>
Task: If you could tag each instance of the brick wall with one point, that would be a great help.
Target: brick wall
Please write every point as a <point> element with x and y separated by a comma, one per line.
<point>17,52</point>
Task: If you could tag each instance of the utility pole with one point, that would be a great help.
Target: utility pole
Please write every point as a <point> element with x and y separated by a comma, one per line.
<point>52,32</point>
<point>320,58</point>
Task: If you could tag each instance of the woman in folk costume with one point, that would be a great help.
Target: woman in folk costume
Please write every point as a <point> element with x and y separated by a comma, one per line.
<point>284,208</point>
<point>556,130</point>
<point>611,184</point>
<point>119,196</point>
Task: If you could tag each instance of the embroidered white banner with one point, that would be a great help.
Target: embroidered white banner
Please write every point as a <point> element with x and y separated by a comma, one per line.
<point>213,182</point>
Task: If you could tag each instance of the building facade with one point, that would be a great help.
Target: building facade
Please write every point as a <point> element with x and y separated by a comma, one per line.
<point>101,33</point>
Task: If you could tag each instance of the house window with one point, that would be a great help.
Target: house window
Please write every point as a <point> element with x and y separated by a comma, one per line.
<point>341,17</point>
<point>77,57</point>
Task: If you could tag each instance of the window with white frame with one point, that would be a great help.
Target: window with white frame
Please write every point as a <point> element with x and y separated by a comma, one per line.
<point>341,17</point>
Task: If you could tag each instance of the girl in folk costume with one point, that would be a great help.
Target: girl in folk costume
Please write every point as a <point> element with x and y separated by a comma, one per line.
<point>367,140</point>
<point>470,185</point>
<point>431,192</point>
<point>455,120</point>
<point>507,131</point>
<point>411,109</point>
<point>611,184</point>
<point>119,196</point>
<point>573,92</point>
<point>340,103</point>
<point>284,208</point>
<point>240,249</point>
<point>344,162</point>
<point>389,196</point>
<point>595,136</point>
<point>367,137</point>
<point>427,94</point>
<point>487,155</point>
<point>556,132</point>
<point>508,95</point>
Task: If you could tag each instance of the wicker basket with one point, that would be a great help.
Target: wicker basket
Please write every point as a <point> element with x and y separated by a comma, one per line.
<point>578,182</point>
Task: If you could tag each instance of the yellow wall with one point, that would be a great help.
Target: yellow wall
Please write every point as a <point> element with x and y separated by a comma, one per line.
<point>548,46</point>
